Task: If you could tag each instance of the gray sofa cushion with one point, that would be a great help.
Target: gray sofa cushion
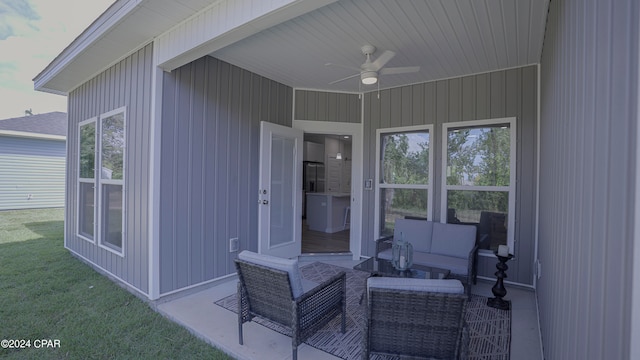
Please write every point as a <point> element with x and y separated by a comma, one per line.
<point>455,265</point>
<point>290,266</point>
<point>453,240</point>
<point>449,286</point>
<point>417,232</point>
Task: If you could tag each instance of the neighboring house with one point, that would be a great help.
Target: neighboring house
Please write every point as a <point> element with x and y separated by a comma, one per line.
<point>32,161</point>
<point>167,99</point>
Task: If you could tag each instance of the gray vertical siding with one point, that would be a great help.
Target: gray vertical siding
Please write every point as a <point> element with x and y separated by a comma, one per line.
<point>209,170</point>
<point>326,106</point>
<point>127,83</point>
<point>31,173</point>
<point>507,93</point>
<point>588,124</point>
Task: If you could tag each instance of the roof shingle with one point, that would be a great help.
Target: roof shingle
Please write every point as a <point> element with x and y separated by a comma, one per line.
<point>52,123</point>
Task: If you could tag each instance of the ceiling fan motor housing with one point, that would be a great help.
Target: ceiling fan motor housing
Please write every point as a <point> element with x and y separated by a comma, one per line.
<point>368,49</point>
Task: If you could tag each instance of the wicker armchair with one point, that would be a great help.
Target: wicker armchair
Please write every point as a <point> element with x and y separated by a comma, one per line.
<point>417,318</point>
<point>267,292</point>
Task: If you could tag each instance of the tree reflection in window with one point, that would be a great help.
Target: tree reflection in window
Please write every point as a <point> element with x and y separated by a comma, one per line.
<point>112,147</point>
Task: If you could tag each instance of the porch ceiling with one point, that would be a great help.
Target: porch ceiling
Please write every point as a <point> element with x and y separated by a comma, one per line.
<point>445,38</point>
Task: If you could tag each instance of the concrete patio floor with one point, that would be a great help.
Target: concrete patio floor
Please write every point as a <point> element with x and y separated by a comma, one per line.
<point>218,326</point>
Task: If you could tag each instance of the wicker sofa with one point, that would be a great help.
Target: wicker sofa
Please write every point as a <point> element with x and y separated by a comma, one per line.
<point>445,246</point>
<point>417,318</point>
<point>273,288</point>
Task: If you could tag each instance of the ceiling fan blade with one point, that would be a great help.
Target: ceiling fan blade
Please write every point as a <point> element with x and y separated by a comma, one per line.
<point>343,66</point>
<point>399,70</point>
<point>343,79</point>
<point>383,59</point>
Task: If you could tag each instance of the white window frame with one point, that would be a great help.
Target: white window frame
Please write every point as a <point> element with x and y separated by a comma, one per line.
<point>99,182</point>
<point>378,186</point>
<point>87,180</point>
<point>511,189</point>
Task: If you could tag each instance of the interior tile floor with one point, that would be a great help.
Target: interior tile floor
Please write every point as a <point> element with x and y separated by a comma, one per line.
<point>198,313</point>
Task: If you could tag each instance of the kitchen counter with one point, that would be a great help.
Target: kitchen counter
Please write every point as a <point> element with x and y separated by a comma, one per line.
<point>326,211</point>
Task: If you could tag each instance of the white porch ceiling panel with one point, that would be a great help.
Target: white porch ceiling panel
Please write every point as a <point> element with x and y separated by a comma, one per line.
<point>446,38</point>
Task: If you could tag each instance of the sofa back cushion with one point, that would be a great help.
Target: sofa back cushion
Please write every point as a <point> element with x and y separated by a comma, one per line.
<point>417,232</point>
<point>288,265</point>
<point>453,240</point>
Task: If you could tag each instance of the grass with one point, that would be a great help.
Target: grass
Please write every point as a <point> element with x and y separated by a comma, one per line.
<point>45,293</point>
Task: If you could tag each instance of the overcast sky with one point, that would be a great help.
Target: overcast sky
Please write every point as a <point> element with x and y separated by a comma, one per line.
<point>32,34</point>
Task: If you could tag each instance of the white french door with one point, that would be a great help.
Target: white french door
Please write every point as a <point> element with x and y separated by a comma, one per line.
<point>280,191</point>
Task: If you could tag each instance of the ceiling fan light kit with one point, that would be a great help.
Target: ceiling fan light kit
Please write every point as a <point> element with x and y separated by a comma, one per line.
<point>369,77</point>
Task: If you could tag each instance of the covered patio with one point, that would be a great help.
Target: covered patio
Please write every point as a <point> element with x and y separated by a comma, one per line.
<point>185,86</point>
<point>218,326</point>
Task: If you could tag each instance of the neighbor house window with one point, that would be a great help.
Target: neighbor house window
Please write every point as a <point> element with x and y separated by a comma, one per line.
<point>86,179</point>
<point>404,168</point>
<point>111,179</point>
<point>478,178</point>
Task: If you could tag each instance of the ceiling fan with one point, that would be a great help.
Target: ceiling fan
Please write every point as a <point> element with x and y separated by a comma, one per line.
<point>370,70</point>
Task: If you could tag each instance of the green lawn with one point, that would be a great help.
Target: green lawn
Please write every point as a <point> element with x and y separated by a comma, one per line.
<point>45,293</point>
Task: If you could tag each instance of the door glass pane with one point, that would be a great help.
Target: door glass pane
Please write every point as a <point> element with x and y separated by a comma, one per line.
<point>112,215</point>
<point>86,210</point>
<point>281,199</point>
<point>404,158</point>
<point>401,203</point>
<point>87,150</point>
<point>478,156</point>
<point>112,147</point>
<point>488,210</point>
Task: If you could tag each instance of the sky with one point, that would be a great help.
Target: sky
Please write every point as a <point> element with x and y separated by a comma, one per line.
<point>32,34</point>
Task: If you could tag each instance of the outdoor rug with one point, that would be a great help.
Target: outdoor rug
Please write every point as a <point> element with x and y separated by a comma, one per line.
<point>490,329</point>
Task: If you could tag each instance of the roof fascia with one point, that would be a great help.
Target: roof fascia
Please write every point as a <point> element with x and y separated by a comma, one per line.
<point>105,22</point>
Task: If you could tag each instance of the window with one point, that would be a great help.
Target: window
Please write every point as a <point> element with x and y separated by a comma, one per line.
<point>86,179</point>
<point>101,193</point>
<point>111,179</point>
<point>478,178</point>
<point>404,162</point>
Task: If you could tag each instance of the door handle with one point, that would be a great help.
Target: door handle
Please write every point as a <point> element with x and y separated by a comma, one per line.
<point>265,202</point>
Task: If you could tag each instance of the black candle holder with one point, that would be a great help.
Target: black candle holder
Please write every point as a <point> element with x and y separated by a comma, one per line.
<point>498,289</point>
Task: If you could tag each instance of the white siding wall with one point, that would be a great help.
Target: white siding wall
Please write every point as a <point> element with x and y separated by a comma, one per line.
<point>589,94</point>
<point>31,173</point>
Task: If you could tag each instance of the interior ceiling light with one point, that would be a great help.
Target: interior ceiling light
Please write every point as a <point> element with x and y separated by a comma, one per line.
<point>369,77</point>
